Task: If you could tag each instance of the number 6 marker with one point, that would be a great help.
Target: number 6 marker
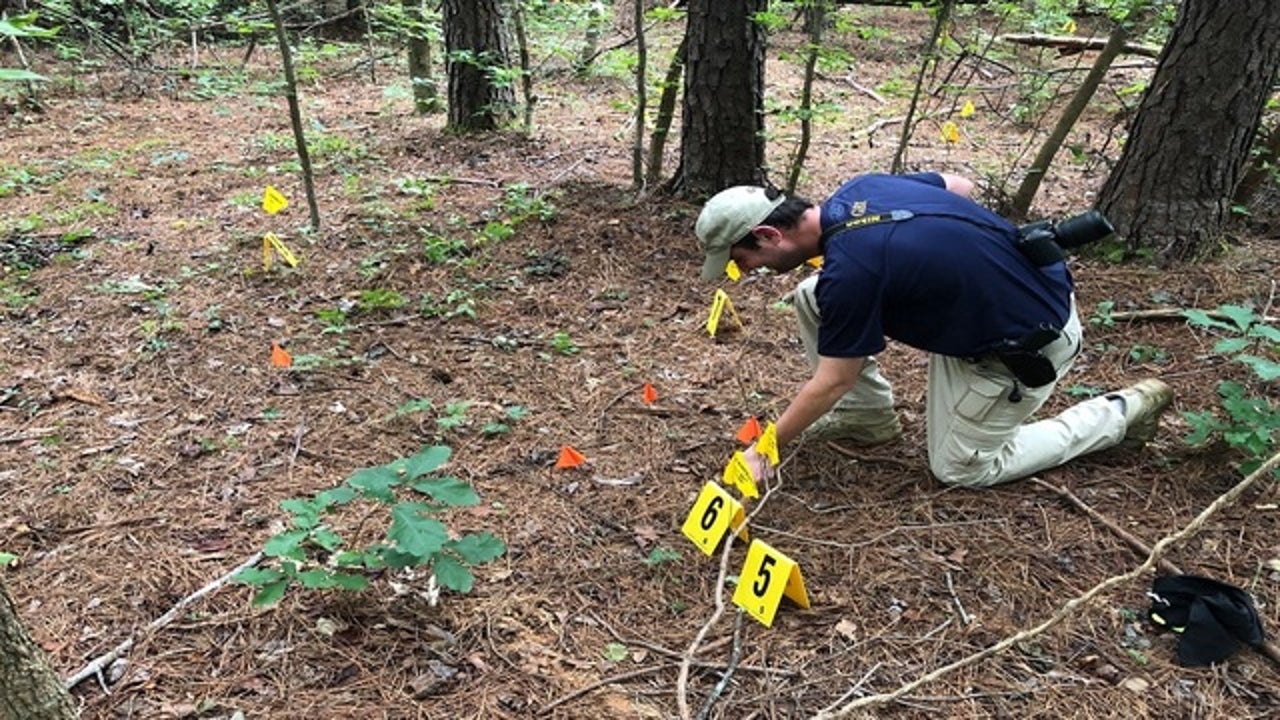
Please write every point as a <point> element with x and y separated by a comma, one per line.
<point>712,515</point>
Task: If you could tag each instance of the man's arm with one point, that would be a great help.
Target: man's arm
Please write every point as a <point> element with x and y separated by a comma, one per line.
<point>832,378</point>
<point>957,184</point>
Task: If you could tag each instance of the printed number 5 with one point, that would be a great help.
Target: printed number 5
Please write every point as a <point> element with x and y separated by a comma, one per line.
<point>711,513</point>
<point>762,576</point>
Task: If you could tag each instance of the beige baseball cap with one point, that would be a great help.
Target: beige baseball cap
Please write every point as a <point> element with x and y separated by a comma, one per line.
<point>727,218</point>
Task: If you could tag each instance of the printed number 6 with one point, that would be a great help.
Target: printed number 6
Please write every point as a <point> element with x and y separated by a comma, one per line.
<point>711,513</point>
<point>762,576</point>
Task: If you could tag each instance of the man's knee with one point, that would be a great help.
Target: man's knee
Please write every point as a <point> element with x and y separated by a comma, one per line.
<point>974,471</point>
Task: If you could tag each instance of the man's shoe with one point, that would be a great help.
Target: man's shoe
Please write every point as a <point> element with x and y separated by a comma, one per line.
<point>861,427</point>
<point>1144,403</point>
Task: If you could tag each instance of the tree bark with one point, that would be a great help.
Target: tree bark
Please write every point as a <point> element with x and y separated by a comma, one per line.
<point>722,139</point>
<point>1188,146</point>
<point>426,96</point>
<point>481,93</point>
<point>1044,158</point>
<point>29,688</point>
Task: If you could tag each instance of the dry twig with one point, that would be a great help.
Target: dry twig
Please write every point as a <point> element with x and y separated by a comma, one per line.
<point>97,665</point>
<point>1072,605</point>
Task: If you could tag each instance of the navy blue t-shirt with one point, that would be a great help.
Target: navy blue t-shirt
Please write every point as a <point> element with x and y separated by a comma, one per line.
<point>949,280</point>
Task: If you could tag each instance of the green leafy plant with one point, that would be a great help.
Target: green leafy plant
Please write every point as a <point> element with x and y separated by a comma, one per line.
<point>1249,420</point>
<point>660,555</point>
<point>563,344</point>
<point>310,553</point>
<point>379,299</point>
<point>454,417</point>
<point>510,414</point>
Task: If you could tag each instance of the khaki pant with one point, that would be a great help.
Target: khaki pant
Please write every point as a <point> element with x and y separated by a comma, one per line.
<point>978,436</point>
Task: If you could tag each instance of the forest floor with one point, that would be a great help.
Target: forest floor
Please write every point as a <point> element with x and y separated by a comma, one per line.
<point>146,440</point>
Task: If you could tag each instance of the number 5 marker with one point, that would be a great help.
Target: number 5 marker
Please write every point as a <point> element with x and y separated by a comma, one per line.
<point>766,576</point>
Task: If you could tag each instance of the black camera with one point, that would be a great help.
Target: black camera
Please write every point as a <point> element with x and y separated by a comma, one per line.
<point>1043,242</point>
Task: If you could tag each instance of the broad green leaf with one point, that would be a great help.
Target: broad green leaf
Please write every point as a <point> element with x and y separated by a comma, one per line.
<point>306,514</point>
<point>24,26</point>
<point>452,574</point>
<point>19,75</point>
<point>340,495</point>
<point>1265,331</point>
<point>258,576</point>
<point>476,548</point>
<point>7,559</point>
<point>415,466</point>
<point>1266,369</point>
<point>450,491</point>
<point>1227,346</point>
<point>347,581</point>
<point>1243,317</point>
<point>376,483</point>
<point>351,558</point>
<point>1203,426</point>
<point>270,594</point>
<point>397,560</point>
<point>286,544</point>
<point>615,652</point>
<point>326,538</point>
<point>315,579</point>
<point>414,534</point>
<point>1202,319</point>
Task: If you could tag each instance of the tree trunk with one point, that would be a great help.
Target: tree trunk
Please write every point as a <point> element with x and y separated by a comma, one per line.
<point>1188,146</point>
<point>29,688</point>
<point>722,138</point>
<point>481,92</point>
<point>426,96</point>
<point>1021,202</point>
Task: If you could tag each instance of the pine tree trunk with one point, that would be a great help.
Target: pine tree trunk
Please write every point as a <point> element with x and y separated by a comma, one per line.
<point>29,688</point>
<point>722,136</point>
<point>426,96</point>
<point>1188,146</point>
<point>479,58</point>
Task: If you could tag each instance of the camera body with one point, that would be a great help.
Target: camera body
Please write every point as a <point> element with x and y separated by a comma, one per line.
<point>1043,242</point>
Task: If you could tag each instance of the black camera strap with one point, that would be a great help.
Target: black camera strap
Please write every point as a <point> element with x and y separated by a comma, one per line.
<point>1039,248</point>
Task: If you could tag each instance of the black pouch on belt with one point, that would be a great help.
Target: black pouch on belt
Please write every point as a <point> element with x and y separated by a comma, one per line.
<point>1023,357</point>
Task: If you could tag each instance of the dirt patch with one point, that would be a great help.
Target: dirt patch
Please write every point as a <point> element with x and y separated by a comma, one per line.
<point>146,440</point>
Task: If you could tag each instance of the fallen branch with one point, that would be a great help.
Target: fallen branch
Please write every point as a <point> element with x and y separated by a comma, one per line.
<point>1120,532</point>
<point>1072,605</point>
<point>1176,314</point>
<point>25,435</point>
<point>682,681</point>
<point>734,657</point>
<point>1068,44</point>
<point>599,684</point>
<point>96,666</point>
<point>1268,649</point>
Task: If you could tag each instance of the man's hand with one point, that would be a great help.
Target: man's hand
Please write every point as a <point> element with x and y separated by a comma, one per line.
<point>761,469</point>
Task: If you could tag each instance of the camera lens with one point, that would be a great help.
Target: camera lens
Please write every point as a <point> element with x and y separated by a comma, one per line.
<point>1083,228</point>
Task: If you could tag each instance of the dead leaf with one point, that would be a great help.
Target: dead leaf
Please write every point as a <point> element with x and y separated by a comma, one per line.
<point>847,629</point>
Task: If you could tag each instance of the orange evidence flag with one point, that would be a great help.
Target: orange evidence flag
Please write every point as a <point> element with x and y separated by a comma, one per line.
<point>280,357</point>
<point>749,431</point>
<point>649,394</point>
<point>569,458</point>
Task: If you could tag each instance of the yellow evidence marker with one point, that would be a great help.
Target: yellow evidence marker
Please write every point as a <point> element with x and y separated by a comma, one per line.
<point>272,246</point>
<point>718,304</point>
<point>767,445</point>
<point>714,513</point>
<point>738,474</point>
<point>273,201</point>
<point>733,271</point>
<point>766,576</point>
